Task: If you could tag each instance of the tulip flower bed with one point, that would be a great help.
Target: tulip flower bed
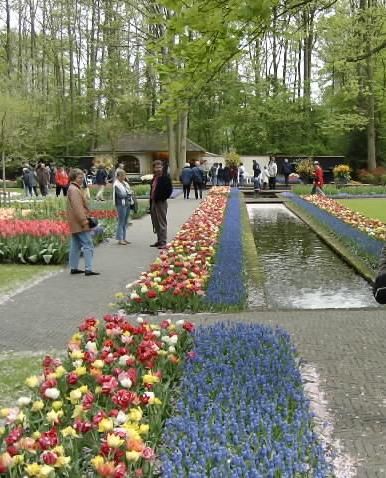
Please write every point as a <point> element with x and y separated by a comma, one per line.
<point>35,241</point>
<point>226,284</point>
<point>101,411</point>
<point>359,241</point>
<point>177,278</point>
<point>242,410</point>
<point>372,227</point>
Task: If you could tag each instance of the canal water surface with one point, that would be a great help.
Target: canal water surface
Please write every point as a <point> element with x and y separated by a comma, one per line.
<point>300,271</point>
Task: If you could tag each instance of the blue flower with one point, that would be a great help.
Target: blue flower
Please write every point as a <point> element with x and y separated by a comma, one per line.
<point>242,410</point>
<point>226,282</point>
<point>360,240</point>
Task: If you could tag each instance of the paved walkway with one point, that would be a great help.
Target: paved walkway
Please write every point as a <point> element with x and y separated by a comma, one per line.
<point>348,350</point>
<point>347,347</point>
<point>46,315</point>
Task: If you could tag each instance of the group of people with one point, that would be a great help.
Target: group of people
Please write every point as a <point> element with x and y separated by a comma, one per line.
<point>227,175</point>
<point>44,177</point>
<point>79,213</point>
<point>265,177</point>
<point>192,175</point>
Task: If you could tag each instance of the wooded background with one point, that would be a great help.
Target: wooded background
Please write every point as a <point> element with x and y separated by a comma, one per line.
<point>292,77</point>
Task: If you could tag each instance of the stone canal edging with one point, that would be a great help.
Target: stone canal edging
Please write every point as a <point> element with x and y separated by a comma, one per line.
<point>337,246</point>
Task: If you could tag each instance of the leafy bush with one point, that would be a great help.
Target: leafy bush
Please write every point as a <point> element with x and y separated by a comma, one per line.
<point>305,168</point>
<point>232,159</point>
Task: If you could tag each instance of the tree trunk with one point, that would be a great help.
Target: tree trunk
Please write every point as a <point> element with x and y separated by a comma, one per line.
<point>371,148</point>
<point>8,38</point>
<point>183,129</point>
<point>172,147</point>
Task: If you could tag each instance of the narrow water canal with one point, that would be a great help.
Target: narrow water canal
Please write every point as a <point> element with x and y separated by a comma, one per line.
<point>300,270</point>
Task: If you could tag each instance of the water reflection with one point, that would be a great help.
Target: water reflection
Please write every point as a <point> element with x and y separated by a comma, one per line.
<point>301,272</point>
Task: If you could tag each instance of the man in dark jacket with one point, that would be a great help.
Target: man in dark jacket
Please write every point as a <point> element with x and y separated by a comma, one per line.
<point>186,178</point>
<point>160,191</point>
<point>286,171</point>
<point>198,179</point>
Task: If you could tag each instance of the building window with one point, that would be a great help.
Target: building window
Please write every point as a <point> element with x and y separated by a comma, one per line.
<point>131,164</point>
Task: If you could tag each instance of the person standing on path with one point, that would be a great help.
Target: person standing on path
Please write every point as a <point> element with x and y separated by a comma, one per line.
<point>43,177</point>
<point>123,196</point>
<point>256,170</point>
<point>61,181</point>
<point>213,174</point>
<point>100,180</point>
<point>78,213</point>
<point>160,191</point>
<point>186,178</point>
<point>286,171</point>
<point>198,179</point>
<point>317,187</point>
<point>272,171</point>
<point>241,172</point>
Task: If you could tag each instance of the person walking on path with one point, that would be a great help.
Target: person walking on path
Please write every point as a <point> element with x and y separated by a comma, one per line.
<point>43,177</point>
<point>213,174</point>
<point>241,172</point>
<point>78,213</point>
<point>25,179</point>
<point>220,175</point>
<point>226,175</point>
<point>318,184</point>
<point>123,196</point>
<point>186,178</point>
<point>286,171</point>
<point>256,170</point>
<point>160,191</point>
<point>198,179</point>
<point>61,181</point>
<point>100,180</point>
<point>272,172</point>
<point>264,178</point>
<point>32,181</point>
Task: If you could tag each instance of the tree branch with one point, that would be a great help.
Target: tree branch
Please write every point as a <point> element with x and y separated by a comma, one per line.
<point>378,48</point>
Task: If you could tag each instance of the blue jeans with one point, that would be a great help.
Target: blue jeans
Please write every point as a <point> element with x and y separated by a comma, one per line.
<point>123,218</point>
<point>81,240</point>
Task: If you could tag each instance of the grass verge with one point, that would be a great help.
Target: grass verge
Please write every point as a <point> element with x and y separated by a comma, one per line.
<point>365,265</point>
<point>16,275</point>
<point>15,367</point>
<point>253,267</point>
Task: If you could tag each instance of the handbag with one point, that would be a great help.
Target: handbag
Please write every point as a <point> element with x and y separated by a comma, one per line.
<point>134,203</point>
<point>92,222</point>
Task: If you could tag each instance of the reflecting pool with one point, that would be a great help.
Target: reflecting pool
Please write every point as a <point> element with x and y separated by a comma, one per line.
<point>301,271</point>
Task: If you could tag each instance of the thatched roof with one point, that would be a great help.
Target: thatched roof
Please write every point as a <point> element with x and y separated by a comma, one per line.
<point>143,143</point>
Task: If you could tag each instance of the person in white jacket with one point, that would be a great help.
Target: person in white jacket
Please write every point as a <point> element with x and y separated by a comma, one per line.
<point>272,171</point>
<point>264,178</point>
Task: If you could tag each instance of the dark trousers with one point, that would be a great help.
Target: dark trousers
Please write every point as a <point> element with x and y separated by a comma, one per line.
<point>43,189</point>
<point>158,213</point>
<point>186,189</point>
<point>272,183</point>
<point>286,179</point>
<point>32,189</point>
<point>197,189</point>
<point>59,188</point>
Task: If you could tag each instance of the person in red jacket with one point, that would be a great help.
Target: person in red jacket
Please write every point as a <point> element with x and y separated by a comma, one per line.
<point>61,181</point>
<point>318,184</point>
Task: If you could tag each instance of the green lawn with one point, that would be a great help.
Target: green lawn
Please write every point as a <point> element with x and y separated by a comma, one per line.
<point>15,367</point>
<point>14,275</point>
<point>372,208</point>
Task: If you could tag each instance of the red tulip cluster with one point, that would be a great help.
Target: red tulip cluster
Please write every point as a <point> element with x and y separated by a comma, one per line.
<point>100,412</point>
<point>36,228</point>
<point>177,278</point>
<point>372,227</point>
